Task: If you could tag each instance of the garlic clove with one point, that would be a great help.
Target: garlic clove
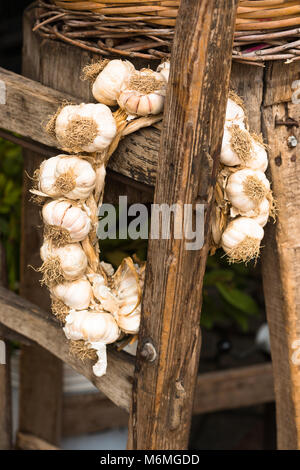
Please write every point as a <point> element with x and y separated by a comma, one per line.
<point>76,294</point>
<point>108,268</point>
<point>46,178</point>
<point>108,84</point>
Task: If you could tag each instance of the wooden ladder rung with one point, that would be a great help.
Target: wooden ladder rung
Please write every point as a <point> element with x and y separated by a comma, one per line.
<point>30,321</point>
<point>25,106</point>
<point>215,391</point>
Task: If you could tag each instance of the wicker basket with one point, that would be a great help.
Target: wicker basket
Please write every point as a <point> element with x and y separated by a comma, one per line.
<point>265,29</point>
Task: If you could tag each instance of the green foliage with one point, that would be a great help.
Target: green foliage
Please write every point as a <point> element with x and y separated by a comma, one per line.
<point>11,163</point>
<point>229,294</point>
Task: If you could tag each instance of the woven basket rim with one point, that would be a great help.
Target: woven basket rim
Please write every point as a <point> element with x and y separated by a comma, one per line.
<point>258,36</point>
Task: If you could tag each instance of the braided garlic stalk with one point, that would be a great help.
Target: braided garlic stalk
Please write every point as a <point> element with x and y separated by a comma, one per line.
<point>244,200</point>
<point>95,304</point>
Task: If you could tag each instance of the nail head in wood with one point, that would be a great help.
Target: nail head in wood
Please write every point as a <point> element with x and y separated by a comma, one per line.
<point>148,352</point>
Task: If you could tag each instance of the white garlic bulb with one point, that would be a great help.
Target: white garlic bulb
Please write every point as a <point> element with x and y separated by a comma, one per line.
<point>72,260</point>
<point>91,325</point>
<point>143,94</point>
<point>246,189</point>
<point>240,148</point>
<point>68,176</point>
<point>76,294</point>
<point>234,114</point>
<point>108,84</point>
<point>164,70</point>
<point>85,127</point>
<point>241,239</point>
<point>65,222</point>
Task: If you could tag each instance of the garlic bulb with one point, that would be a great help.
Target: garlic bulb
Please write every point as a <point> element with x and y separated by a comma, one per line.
<point>97,329</point>
<point>234,114</point>
<point>85,127</point>
<point>143,93</point>
<point>246,189</point>
<point>240,148</point>
<point>164,70</point>
<point>76,295</point>
<point>108,84</point>
<point>263,213</point>
<point>241,239</point>
<point>91,325</point>
<point>65,222</point>
<point>68,262</point>
<point>67,176</point>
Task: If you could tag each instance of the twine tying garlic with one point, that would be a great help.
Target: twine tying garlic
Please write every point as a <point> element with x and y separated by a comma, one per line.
<point>244,200</point>
<point>96,305</point>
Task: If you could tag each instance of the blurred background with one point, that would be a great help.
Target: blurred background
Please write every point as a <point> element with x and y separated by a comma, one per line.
<point>233,319</point>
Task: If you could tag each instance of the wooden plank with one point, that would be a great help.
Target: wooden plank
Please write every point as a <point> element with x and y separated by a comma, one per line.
<point>27,441</point>
<point>5,379</point>
<point>30,321</point>
<point>234,388</point>
<point>91,412</point>
<point>28,105</point>
<point>281,254</point>
<point>190,145</point>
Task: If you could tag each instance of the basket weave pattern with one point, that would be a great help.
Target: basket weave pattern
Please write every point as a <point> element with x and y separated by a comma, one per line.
<point>265,29</point>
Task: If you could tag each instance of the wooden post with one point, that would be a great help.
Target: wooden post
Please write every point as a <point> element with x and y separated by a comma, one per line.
<point>281,254</point>
<point>5,380</point>
<point>190,144</point>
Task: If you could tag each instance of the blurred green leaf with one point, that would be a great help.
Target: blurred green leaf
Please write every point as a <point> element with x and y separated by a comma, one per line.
<point>238,299</point>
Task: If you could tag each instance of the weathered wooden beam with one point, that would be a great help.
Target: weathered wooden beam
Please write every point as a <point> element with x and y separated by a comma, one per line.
<point>27,441</point>
<point>26,105</point>
<point>281,254</point>
<point>234,388</point>
<point>91,412</point>
<point>190,144</point>
<point>30,321</point>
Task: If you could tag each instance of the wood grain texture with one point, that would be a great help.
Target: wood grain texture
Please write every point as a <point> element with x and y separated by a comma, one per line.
<point>234,388</point>
<point>27,441</point>
<point>30,321</point>
<point>190,144</point>
<point>281,254</point>
<point>91,412</point>
<point>29,106</point>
